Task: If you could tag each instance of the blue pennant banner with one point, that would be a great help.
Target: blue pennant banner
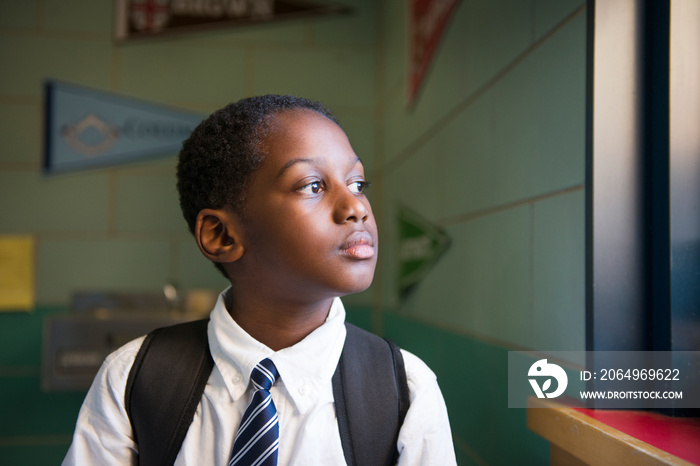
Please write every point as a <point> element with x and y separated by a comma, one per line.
<point>88,128</point>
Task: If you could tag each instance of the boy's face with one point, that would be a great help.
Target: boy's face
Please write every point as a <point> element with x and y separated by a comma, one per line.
<point>309,230</point>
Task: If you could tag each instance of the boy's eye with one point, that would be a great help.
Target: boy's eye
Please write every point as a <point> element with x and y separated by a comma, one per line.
<point>312,188</point>
<point>358,187</point>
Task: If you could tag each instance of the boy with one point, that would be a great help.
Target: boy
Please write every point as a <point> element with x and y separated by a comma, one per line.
<point>274,195</point>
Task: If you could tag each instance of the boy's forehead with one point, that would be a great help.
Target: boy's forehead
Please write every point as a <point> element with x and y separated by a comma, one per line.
<point>307,136</point>
<point>289,129</point>
<point>296,119</point>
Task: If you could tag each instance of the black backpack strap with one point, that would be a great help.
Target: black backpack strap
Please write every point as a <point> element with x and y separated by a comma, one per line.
<point>369,413</point>
<point>371,398</point>
<point>156,387</point>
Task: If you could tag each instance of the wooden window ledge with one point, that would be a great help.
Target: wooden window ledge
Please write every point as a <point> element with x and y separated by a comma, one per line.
<point>581,436</point>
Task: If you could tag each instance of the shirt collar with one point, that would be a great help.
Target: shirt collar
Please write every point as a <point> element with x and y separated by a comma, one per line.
<point>305,369</point>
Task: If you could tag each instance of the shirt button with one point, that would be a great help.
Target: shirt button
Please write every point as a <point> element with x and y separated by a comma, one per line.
<point>237,379</point>
<point>303,390</point>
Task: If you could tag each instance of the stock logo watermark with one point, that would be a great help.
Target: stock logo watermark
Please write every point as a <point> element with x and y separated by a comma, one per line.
<point>542,370</point>
<point>606,379</point>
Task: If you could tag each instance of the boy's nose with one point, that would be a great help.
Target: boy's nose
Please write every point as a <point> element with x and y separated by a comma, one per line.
<point>351,208</point>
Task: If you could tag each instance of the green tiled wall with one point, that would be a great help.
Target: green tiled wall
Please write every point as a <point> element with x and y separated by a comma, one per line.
<point>492,151</point>
<point>473,378</point>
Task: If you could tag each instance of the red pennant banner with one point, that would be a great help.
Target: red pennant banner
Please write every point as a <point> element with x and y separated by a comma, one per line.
<point>148,18</point>
<point>427,21</point>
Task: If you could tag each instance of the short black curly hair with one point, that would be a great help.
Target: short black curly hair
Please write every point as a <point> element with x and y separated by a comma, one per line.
<point>217,159</point>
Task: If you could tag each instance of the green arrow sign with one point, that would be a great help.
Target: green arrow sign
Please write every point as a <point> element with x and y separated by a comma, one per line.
<point>421,244</point>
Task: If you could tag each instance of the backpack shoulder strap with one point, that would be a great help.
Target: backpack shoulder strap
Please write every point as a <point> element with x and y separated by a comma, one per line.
<point>156,388</point>
<point>370,414</point>
<point>371,398</point>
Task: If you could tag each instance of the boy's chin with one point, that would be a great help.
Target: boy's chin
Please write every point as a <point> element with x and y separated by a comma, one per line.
<point>358,287</point>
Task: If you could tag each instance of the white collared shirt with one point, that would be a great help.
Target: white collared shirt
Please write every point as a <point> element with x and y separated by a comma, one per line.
<point>303,396</point>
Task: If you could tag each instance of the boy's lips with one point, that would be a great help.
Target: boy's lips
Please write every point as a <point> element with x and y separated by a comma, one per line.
<point>359,245</point>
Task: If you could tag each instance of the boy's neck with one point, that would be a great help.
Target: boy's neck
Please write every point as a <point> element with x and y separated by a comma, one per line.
<point>277,325</point>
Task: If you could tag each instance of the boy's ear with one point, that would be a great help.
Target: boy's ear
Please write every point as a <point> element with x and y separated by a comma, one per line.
<point>218,235</point>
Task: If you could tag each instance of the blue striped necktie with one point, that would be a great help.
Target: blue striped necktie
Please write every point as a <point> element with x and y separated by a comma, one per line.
<point>258,436</point>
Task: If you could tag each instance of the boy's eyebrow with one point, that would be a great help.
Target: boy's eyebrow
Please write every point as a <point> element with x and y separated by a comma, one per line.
<point>293,162</point>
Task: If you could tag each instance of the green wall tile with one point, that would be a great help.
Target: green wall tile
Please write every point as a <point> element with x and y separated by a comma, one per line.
<point>364,299</point>
<point>28,61</point>
<point>148,203</point>
<point>355,28</point>
<point>68,265</point>
<point>18,15</point>
<point>175,72</point>
<point>360,131</point>
<point>34,453</point>
<point>482,38</point>
<point>393,35</point>
<point>524,137</point>
<point>550,13</point>
<point>334,76</point>
<point>78,16</point>
<point>559,273</point>
<point>194,270</point>
<point>282,32</point>
<point>21,338</point>
<point>360,316</point>
<point>465,458</point>
<point>20,133</point>
<point>32,203</point>
<point>483,282</point>
<point>26,410</point>
<point>473,379</point>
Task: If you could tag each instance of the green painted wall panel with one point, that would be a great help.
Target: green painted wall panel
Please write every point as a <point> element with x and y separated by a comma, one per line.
<point>21,129</point>
<point>78,16</point>
<point>148,203</point>
<point>482,284</point>
<point>283,32</point>
<point>33,203</point>
<point>355,28</point>
<point>359,127</point>
<point>417,183</point>
<point>482,38</point>
<point>66,265</point>
<point>472,375</point>
<point>16,15</point>
<point>28,61</point>
<point>193,269</point>
<point>549,13</point>
<point>326,74</point>
<point>175,72</point>
<point>32,452</point>
<point>26,410</point>
<point>524,137</point>
<point>559,273</point>
<point>21,340</point>
<point>360,316</point>
<point>394,61</point>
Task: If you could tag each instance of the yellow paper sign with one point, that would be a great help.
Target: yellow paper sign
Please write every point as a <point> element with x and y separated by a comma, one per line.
<point>16,273</point>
